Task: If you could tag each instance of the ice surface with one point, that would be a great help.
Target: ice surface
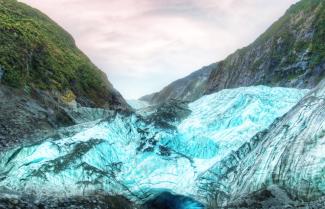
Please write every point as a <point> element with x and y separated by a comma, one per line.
<point>291,154</point>
<point>138,104</point>
<point>126,155</point>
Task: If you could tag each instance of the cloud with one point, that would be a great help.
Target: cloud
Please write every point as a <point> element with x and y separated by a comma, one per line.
<point>145,44</point>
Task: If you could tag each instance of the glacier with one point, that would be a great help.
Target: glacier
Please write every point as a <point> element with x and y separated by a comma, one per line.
<point>286,160</point>
<point>127,155</point>
<point>138,104</point>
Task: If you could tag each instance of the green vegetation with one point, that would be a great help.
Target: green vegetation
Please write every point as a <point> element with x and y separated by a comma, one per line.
<point>297,35</point>
<point>36,52</point>
<point>318,44</point>
<point>282,25</point>
<point>305,5</point>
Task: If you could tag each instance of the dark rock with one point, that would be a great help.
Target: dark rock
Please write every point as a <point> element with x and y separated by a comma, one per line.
<point>272,198</point>
<point>169,112</point>
<point>1,73</point>
<point>10,200</point>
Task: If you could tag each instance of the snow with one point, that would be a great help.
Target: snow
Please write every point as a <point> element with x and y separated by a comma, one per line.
<point>105,155</point>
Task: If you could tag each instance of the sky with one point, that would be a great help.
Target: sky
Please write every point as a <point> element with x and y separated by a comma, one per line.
<point>143,45</point>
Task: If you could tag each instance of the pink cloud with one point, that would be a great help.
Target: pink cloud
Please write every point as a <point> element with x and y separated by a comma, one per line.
<point>144,44</point>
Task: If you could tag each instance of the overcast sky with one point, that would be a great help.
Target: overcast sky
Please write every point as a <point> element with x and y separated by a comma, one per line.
<point>143,45</point>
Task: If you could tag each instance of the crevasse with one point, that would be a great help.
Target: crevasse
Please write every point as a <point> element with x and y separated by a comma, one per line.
<point>126,155</point>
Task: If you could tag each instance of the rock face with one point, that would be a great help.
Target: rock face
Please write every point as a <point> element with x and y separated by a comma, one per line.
<point>138,157</point>
<point>26,118</point>
<point>188,89</point>
<point>42,74</point>
<point>291,53</point>
<point>23,116</point>
<point>288,155</point>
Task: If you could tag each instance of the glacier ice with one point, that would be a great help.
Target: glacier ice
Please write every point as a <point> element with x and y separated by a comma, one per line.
<point>129,156</point>
<point>289,155</point>
<point>138,104</point>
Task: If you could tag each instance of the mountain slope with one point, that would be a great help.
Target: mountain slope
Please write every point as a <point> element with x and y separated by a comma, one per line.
<point>187,89</point>
<point>43,74</point>
<point>291,53</point>
<point>36,52</point>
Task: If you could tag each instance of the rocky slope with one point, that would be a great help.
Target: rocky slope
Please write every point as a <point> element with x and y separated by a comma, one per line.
<point>189,88</point>
<point>290,53</point>
<point>43,74</point>
<point>16,200</point>
<point>285,160</point>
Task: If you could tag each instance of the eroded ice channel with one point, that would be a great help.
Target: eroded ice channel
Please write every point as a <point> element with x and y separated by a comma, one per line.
<point>126,155</point>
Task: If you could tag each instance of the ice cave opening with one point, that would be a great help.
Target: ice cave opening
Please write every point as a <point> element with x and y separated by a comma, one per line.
<point>167,200</point>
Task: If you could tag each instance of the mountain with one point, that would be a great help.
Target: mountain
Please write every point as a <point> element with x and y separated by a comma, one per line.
<point>43,74</point>
<point>291,53</point>
<point>283,164</point>
<point>187,89</point>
